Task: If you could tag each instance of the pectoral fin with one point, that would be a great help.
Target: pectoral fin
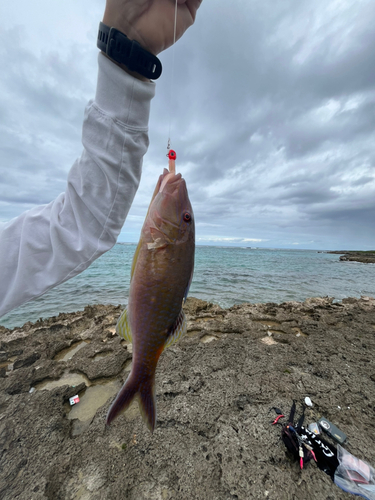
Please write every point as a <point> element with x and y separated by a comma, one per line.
<point>177,331</point>
<point>159,239</point>
<point>123,327</point>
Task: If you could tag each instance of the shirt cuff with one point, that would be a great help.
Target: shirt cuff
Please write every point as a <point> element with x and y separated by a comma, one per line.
<point>121,96</point>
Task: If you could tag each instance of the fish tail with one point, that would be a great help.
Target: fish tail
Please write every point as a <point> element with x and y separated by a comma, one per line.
<point>144,391</point>
<point>147,403</point>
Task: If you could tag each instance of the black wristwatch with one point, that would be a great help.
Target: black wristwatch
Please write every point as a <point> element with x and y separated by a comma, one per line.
<point>118,47</point>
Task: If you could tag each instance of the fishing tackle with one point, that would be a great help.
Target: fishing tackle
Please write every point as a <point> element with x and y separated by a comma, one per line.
<point>171,165</point>
<point>277,419</point>
<point>172,88</point>
<point>304,445</point>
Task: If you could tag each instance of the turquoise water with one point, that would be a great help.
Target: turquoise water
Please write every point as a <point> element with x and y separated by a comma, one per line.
<point>223,275</point>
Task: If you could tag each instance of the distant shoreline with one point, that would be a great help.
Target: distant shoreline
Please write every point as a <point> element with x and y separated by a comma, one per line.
<point>367,257</point>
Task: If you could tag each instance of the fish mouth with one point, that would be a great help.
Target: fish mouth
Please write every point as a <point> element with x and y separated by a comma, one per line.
<point>169,203</point>
<point>170,180</point>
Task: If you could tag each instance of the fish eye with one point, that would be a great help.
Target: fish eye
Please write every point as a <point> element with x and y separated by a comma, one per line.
<point>187,217</point>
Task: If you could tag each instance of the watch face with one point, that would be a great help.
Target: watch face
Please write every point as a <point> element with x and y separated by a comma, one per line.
<point>324,424</point>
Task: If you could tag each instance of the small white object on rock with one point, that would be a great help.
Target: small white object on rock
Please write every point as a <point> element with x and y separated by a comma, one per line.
<point>74,400</point>
<point>32,390</point>
<point>308,401</point>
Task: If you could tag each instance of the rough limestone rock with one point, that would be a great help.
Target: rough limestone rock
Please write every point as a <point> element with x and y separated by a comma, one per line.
<point>358,257</point>
<point>215,392</point>
<point>367,257</point>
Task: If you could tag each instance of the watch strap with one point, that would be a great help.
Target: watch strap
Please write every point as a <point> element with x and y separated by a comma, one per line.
<point>118,47</point>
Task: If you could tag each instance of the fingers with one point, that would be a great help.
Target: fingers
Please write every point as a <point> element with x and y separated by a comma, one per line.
<point>192,5</point>
<point>151,22</point>
<point>190,8</point>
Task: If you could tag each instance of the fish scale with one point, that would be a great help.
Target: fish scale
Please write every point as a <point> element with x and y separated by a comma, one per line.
<point>161,274</point>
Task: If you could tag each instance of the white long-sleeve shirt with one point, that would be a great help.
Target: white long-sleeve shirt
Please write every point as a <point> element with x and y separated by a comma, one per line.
<point>50,244</point>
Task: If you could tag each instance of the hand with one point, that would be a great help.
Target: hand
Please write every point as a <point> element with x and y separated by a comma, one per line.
<point>151,22</point>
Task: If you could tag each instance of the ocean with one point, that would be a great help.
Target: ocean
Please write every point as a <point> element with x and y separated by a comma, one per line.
<point>223,275</point>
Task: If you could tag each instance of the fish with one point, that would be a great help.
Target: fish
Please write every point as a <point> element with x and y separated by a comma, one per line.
<point>161,274</point>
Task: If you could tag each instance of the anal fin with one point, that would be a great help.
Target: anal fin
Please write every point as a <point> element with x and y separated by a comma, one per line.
<point>178,330</point>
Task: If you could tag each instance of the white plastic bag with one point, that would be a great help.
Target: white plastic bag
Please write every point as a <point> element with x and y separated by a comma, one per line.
<point>354,475</point>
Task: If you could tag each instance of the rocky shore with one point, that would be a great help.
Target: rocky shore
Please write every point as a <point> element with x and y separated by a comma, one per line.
<point>215,392</point>
<point>365,257</point>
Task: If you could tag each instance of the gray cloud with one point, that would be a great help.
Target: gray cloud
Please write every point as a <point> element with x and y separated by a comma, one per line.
<point>271,114</point>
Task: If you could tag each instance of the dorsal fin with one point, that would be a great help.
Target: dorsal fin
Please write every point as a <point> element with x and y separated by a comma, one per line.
<point>135,258</point>
<point>123,327</point>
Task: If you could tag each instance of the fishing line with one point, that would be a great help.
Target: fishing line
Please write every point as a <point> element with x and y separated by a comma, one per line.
<point>172,78</point>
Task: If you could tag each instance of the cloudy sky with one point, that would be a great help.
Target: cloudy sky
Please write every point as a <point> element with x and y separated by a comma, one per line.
<point>273,116</point>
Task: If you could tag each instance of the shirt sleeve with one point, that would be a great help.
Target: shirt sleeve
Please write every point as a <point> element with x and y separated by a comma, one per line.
<point>50,244</point>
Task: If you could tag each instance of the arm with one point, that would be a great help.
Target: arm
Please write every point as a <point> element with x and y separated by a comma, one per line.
<point>52,243</point>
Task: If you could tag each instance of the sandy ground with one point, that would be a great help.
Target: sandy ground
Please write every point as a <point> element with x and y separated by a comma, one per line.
<point>215,393</point>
